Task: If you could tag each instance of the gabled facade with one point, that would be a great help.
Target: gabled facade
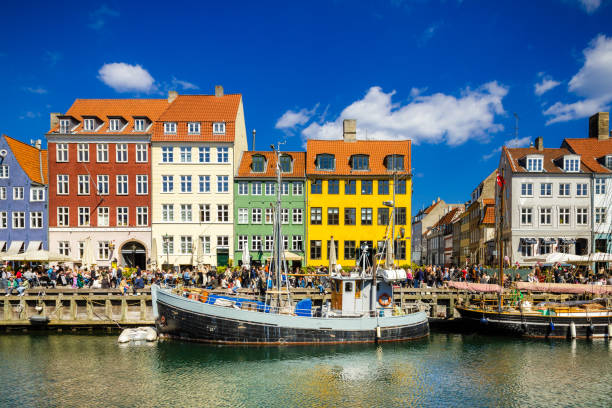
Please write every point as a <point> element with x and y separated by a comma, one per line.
<point>422,223</point>
<point>23,197</point>
<point>480,228</point>
<point>440,238</point>
<point>255,200</point>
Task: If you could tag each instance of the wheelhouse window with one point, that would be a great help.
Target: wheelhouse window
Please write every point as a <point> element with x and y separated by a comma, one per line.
<point>395,162</point>
<point>258,165</point>
<point>326,162</point>
<point>360,162</point>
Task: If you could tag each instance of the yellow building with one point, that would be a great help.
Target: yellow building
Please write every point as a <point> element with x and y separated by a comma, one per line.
<point>347,182</point>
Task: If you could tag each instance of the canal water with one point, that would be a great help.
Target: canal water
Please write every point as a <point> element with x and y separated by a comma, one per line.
<point>445,370</point>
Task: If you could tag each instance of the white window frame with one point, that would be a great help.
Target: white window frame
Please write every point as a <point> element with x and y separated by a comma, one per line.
<point>114,125</point>
<point>297,216</point>
<point>18,193</point>
<point>84,219</point>
<point>142,184</point>
<point>83,152</point>
<point>223,214</point>
<point>142,153</point>
<point>571,164</point>
<point>61,152</point>
<point>601,215</point>
<point>269,216</point>
<point>256,216</point>
<point>243,241</point>
<point>582,190</point>
<point>103,184</point>
<point>3,219</point>
<point>167,183</point>
<point>243,188</point>
<point>600,186</point>
<point>256,243</point>
<point>139,125</point>
<point>167,154</point>
<point>83,184</point>
<point>65,126</point>
<point>284,215</point>
<point>297,243</point>
<point>18,219</point>
<point>121,153</point>
<point>565,216</point>
<point>89,124</point>
<point>204,213</point>
<point>103,216</point>
<point>63,216</point>
<point>546,188</point>
<point>102,153</point>
<point>37,194</point>
<point>256,188</point>
<point>63,184</point>
<point>4,171</point>
<point>526,216</point>
<point>218,128</point>
<point>186,244</point>
<point>193,128</point>
<point>204,154</point>
<point>526,189</point>
<point>185,154</point>
<point>186,185</point>
<point>104,250</point>
<point>268,243</point>
<point>222,154</point>
<point>546,215</point>
<point>243,216</point>
<point>534,164</point>
<point>123,216</point>
<point>170,128</point>
<point>298,188</point>
<point>167,213</point>
<point>565,192</point>
<point>122,180</point>
<point>582,216</point>
<point>2,193</point>
<point>186,213</point>
<point>142,216</point>
<point>222,184</point>
<point>63,248</point>
<point>203,184</point>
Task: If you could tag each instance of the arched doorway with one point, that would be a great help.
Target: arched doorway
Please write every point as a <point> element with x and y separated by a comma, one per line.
<point>134,254</point>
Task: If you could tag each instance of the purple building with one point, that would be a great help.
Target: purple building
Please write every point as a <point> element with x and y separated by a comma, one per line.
<point>23,197</point>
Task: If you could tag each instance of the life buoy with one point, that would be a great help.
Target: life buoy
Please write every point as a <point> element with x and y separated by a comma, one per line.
<point>384,299</point>
<point>163,320</point>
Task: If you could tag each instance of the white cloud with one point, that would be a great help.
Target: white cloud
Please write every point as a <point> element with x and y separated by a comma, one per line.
<point>30,115</point>
<point>426,118</point>
<point>39,90</point>
<point>183,84</point>
<point>99,16</point>
<point>593,82</point>
<point>514,142</point>
<point>291,119</point>
<point>590,5</point>
<point>124,77</point>
<point>545,85</point>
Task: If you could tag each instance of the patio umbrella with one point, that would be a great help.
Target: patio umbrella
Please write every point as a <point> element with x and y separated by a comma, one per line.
<point>246,256</point>
<point>200,254</point>
<point>332,255</point>
<point>153,261</point>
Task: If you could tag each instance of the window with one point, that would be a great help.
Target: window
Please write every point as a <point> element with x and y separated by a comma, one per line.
<point>366,216</point>
<point>395,162</point>
<point>142,153</point>
<point>297,215</point>
<point>268,243</point>
<point>122,216</point>
<point>285,164</point>
<point>256,215</point>
<point>600,186</point>
<point>316,187</point>
<point>204,184</point>
<point>298,188</point>
<point>222,154</point>
<point>64,248</point>
<point>333,186</point>
<point>608,161</point>
<point>103,217</point>
<point>102,184</point>
<point>400,250</point>
<point>581,189</point>
<point>400,215</point>
<point>37,194</point>
<point>121,153</point>
<point>285,215</point>
<point>185,154</point>
<point>63,216</point>
<point>546,189</point>
<point>545,216</point>
<point>256,187</point>
<point>61,153</point>
<point>83,152</point>
<point>18,220</point>
<point>296,243</point>
<point>360,162</point>
<point>186,215</point>
<point>366,187</point>
<point>204,212</point>
<point>350,187</point>
<point>326,162</point>
<point>3,220</point>
<point>243,242</point>
<point>3,193</point>
<point>243,216</point>
<point>83,184</point>
<point>167,154</point>
<point>83,216</point>
<point>383,216</point>
<point>316,217</point>
<point>122,184</point>
<point>167,184</point>
<point>168,212</point>
<point>400,187</point>
<point>65,126</point>
<point>600,215</point>
<point>564,189</point>
<point>383,187</point>
<point>564,216</point>
<point>285,188</point>
<point>350,216</point>
<point>571,164</point>
<point>139,125</point>
<point>582,217</point>
<point>259,164</point>
<point>168,244</point>
<point>269,216</point>
<point>18,193</point>
<point>114,125</point>
<point>243,188</point>
<point>545,247</point>
<point>170,127</point>
<point>89,124</point>
<point>223,212</point>
<point>219,128</point>
<point>4,171</point>
<point>222,184</point>
<point>36,220</point>
<point>315,249</point>
<point>534,164</point>
<point>349,250</point>
<point>270,188</point>
<point>526,216</point>
<point>205,243</point>
<point>142,184</point>
<point>193,128</point>
<point>256,243</point>
<point>527,189</point>
<point>102,152</point>
<point>204,154</point>
<point>333,216</point>
<point>185,184</point>
<point>186,245</point>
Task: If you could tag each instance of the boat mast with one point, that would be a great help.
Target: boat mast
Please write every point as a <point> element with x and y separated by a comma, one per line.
<point>500,240</point>
<point>277,226</point>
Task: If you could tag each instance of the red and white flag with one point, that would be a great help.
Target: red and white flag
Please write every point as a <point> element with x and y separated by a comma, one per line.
<point>500,180</point>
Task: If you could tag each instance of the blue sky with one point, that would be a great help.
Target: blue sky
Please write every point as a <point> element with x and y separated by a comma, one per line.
<point>447,74</point>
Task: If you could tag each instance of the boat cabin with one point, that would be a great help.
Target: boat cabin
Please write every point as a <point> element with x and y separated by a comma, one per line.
<point>350,295</point>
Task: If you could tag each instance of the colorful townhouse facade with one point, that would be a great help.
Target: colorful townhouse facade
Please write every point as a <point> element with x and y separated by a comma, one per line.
<point>196,148</point>
<point>255,200</point>
<point>23,197</point>
<point>348,182</point>
<point>99,172</point>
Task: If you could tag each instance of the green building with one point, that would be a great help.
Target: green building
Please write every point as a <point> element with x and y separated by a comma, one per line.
<point>254,200</point>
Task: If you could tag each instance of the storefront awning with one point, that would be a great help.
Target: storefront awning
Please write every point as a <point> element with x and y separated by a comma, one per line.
<point>547,241</point>
<point>2,246</point>
<point>529,241</point>
<point>15,247</point>
<point>34,246</point>
<point>568,241</point>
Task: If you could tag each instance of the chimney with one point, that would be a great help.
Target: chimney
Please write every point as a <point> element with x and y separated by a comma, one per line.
<point>172,95</point>
<point>54,119</point>
<point>218,90</point>
<point>539,143</point>
<point>599,126</point>
<point>253,144</point>
<point>349,127</point>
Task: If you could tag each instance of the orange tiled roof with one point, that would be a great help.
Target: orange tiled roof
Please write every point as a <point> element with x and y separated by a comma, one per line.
<point>489,216</point>
<point>270,171</point>
<point>376,149</point>
<point>488,201</point>
<point>447,218</point>
<point>105,108</point>
<point>431,207</point>
<point>516,155</point>
<point>29,158</point>
<point>205,109</point>
<point>591,150</point>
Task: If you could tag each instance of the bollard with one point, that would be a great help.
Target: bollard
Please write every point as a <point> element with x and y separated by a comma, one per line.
<point>143,309</point>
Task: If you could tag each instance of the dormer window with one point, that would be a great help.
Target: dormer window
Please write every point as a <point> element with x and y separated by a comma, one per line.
<point>89,125</point>
<point>609,161</point>
<point>571,163</point>
<point>139,125</point>
<point>534,163</point>
<point>285,163</point>
<point>259,164</point>
<point>326,162</point>
<point>169,127</point>
<point>193,128</point>
<point>114,125</point>
<point>65,125</point>
<point>395,162</point>
<point>360,162</point>
<point>219,128</point>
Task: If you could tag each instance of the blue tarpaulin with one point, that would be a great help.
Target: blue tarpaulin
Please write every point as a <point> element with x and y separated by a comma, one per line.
<point>304,308</point>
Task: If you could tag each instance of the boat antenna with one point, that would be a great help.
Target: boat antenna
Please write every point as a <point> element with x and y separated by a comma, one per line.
<point>501,183</point>
<point>277,233</point>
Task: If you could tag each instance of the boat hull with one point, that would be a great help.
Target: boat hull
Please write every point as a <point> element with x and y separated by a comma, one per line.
<point>532,325</point>
<point>188,319</point>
